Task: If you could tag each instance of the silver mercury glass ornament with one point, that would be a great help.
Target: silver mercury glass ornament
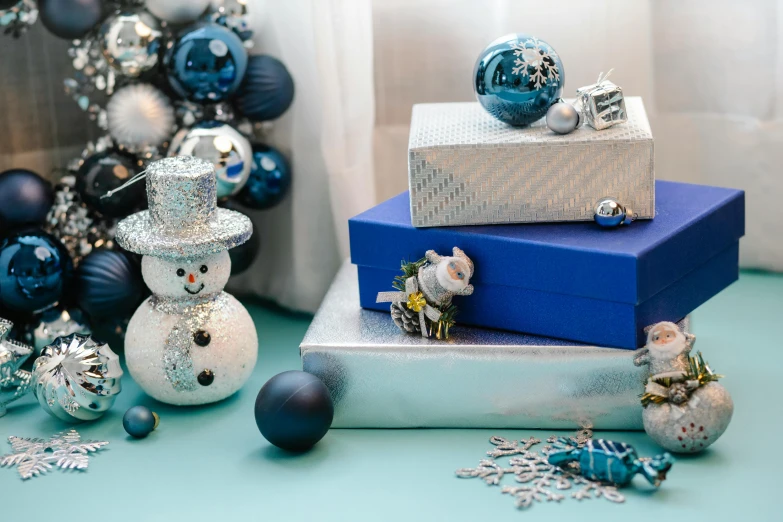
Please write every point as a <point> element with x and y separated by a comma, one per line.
<point>131,42</point>
<point>562,118</point>
<point>610,213</point>
<point>76,379</point>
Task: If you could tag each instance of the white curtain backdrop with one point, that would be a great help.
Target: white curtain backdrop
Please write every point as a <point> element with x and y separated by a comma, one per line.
<point>327,46</point>
<point>710,73</point>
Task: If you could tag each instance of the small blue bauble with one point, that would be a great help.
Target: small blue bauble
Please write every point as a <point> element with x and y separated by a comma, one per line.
<point>34,271</point>
<point>294,410</point>
<point>517,77</point>
<point>25,198</point>
<point>206,63</point>
<point>270,177</point>
<point>267,91</point>
<point>139,421</point>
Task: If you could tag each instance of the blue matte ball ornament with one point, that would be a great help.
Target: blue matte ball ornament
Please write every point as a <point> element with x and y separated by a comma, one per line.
<point>270,178</point>
<point>35,269</point>
<point>206,63</point>
<point>70,19</point>
<point>267,91</point>
<point>25,198</point>
<point>517,78</point>
<point>140,421</point>
<point>294,410</point>
<point>108,284</point>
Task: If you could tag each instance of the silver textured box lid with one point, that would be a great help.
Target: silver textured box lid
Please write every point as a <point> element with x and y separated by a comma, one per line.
<point>380,377</point>
<point>465,167</point>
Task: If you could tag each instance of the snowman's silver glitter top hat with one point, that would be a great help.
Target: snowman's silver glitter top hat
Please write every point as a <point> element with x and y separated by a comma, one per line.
<point>183,220</point>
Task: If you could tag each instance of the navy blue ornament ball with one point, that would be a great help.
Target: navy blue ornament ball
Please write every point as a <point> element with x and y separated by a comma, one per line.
<point>25,198</point>
<point>294,410</point>
<point>108,284</point>
<point>206,63</point>
<point>517,78</point>
<point>270,178</point>
<point>105,171</point>
<point>70,19</point>
<point>35,269</point>
<point>267,91</point>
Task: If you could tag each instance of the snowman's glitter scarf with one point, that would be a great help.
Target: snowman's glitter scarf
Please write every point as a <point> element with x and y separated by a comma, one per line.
<point>194,313</point>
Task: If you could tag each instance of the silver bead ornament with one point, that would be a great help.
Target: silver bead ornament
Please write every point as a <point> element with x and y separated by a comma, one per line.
<point>222,145</point>
<point>76,378</point>
<point>610,213</point>
<point>562,118</point>
<point>131,42</point>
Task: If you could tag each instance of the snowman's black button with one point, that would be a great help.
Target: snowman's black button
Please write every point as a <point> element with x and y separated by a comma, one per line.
<point>201,338</point>
<point>206,377</point>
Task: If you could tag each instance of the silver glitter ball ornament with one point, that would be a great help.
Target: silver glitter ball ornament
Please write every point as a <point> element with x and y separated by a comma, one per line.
<point>76,378</point>
<point>562,118</point>
<point>610,213</point>
<point>690,427</point>
<point>131,42</point>
<point>222,145</point>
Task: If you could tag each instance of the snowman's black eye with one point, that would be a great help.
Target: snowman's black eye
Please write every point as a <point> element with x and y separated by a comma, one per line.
<point>203,269</point>
<point>180,272</point>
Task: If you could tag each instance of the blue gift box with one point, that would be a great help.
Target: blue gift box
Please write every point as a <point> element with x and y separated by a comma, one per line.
<point>573,281</point>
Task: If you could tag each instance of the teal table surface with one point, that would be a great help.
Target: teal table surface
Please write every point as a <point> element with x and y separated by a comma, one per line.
<point>210,463</point>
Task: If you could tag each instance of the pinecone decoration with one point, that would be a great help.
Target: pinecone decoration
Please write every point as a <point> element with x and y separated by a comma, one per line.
<point>405,318</point>
<point>678,393</point>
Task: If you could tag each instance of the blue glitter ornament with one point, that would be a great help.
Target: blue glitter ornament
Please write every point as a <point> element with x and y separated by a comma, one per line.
<point>517,78</point>
<point>612,462</point>
<point>206,63</point>
<point>34,270</point>
<point>270,177</point>
<point>267,91</point>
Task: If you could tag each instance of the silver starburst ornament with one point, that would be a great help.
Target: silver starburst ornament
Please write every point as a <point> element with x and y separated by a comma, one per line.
<point>76,379</point>
<point>32,457</point>
<point>14,382</point>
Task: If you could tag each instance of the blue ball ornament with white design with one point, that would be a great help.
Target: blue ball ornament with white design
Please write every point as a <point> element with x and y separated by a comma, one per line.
<point>35,269</point>
<point>206,63</point>
<point>517,78</point>
<point>270,178</point>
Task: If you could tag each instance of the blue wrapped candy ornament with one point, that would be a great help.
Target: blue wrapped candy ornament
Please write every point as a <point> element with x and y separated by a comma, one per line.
<point>517,78</point>
<point>206,63</point>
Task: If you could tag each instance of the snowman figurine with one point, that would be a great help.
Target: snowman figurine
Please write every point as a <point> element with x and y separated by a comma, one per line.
<point>190,342</point>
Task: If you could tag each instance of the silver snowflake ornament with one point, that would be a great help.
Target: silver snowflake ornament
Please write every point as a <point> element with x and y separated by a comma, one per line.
<point>33,457</point>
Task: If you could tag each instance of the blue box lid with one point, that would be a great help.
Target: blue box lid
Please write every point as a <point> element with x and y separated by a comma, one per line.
<point>629,264</point>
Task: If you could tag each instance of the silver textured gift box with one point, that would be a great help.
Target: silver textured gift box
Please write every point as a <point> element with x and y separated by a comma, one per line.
<point>603,104</point>
<point>467,168</point>
<point>380,377</point>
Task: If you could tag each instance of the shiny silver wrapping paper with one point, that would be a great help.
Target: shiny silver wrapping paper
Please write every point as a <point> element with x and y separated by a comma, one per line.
<point>380,377</point>
<point>467,168</point>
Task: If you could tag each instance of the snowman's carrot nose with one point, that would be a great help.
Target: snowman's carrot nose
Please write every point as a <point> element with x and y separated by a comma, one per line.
<point>191,278</point>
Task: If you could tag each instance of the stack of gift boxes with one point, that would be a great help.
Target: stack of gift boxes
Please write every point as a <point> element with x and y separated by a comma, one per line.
<point>560,304</point>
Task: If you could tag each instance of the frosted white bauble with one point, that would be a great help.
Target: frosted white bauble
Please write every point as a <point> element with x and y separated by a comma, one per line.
<point>140,116</point>
<point>177,11</point>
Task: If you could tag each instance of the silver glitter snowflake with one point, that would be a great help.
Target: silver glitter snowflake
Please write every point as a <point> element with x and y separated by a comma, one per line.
<point>66,450</point>
<point>531,54</point>
<point>539,480</point>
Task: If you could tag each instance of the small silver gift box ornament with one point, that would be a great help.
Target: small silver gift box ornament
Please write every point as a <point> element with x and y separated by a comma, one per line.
<point>602,104</point>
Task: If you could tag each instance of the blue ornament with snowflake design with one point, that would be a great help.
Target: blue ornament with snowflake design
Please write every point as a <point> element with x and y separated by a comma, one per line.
<point>517,78</point>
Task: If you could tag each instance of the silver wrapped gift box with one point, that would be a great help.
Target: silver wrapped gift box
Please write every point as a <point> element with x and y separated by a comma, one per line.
<point>380,377</point>
<point>467,168</point>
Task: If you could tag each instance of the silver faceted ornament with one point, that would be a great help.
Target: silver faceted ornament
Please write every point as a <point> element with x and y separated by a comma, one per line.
<point>131,42</point>
<point>692,426</point>
<point>223,146</point>
<point>562,118</point>
<point>76,378</point>
<point>610,213</point>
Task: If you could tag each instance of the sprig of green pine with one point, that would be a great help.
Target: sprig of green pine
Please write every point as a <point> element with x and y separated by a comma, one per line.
<point>447,313</point>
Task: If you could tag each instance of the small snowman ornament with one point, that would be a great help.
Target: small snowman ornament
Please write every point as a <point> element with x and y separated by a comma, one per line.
<point>190,342</point>
<point>685,409</point>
